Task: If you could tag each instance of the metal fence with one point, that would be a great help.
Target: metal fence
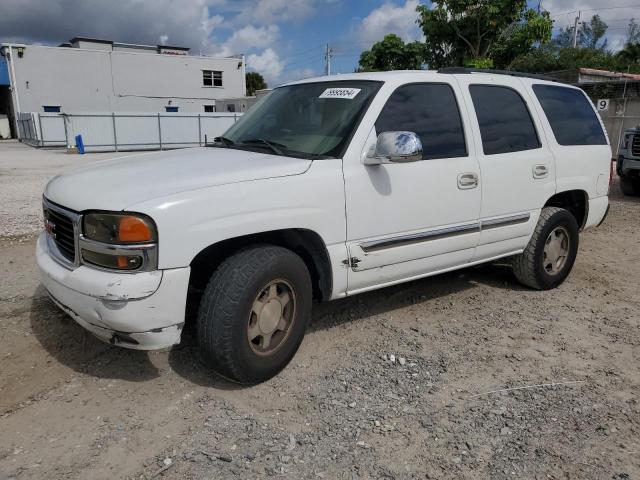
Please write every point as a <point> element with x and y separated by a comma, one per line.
<point>622,114</point>
<point>105,132</point>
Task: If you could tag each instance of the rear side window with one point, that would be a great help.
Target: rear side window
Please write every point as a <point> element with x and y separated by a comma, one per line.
<point>430,110</point>
<point>505,121</point>
<point>572,118</point>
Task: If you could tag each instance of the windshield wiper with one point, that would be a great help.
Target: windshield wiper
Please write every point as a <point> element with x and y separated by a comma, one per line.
<point>227,142</point>
<point>277,148</point>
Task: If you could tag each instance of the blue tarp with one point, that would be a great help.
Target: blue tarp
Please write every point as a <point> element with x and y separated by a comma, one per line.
<point>4,72</point>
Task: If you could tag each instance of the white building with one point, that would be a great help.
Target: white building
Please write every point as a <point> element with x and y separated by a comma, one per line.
<point>89,75</point>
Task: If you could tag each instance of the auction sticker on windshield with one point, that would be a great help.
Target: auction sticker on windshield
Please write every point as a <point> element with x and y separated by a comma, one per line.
<point>348,93</point>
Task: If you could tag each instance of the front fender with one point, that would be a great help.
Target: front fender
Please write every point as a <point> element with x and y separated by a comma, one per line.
<point>189,222</point>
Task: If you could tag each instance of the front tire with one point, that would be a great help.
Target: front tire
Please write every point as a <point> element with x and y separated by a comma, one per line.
<point>254,313</point>
<point>629,186</point>
<point>551,252</point>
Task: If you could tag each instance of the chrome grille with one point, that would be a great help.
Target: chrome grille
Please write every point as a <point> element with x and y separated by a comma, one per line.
<point>635,145</point>
<point>60,228</point>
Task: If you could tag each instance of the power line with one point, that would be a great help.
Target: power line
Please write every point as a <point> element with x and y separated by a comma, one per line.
<point>594,10</point>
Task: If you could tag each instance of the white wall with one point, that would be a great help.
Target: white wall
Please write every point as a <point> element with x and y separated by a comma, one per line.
<point>93,80</point>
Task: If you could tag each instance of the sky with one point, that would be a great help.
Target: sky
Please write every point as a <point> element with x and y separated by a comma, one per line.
<point>282,39</point>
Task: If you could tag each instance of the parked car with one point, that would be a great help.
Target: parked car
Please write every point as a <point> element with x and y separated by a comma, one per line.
<point>327,188</point>
<point>628,164</point>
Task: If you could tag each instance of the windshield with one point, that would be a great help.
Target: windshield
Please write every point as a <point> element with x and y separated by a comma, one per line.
<point>309,120</point>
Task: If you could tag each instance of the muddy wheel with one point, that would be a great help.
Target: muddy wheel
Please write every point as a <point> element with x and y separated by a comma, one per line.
<point>254,313</point>
<point>551,252</point>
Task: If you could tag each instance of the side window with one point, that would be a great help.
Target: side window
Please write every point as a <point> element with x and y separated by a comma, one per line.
<point>505,122</point>
<point>430,110</point>
<point>572,118</point>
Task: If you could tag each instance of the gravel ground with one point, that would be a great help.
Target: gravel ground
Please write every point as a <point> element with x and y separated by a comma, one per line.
<point>24,172</point>
<point>464,375</point>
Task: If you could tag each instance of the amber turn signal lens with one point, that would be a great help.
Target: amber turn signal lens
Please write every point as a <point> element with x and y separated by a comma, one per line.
<point>112,262</point>
<point>134,229</point>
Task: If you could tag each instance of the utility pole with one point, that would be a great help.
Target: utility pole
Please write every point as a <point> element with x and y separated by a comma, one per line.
<point>327,59</point>
<point>575,30</point>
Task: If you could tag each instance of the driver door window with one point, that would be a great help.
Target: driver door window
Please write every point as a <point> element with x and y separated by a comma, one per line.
<point>430,111</point>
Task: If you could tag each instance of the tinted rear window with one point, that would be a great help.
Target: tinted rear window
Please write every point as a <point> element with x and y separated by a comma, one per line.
<point>505,122</point>
<point>571,116</point>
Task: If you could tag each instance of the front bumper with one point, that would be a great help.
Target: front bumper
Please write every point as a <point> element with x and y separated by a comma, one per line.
<point>144,311</point>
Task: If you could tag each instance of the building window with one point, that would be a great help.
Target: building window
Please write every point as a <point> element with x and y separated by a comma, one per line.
<point>209,108</point>
<point>231,107</point>
<point>211,78</point>
<point>170,109</point>
<point>51,108</point>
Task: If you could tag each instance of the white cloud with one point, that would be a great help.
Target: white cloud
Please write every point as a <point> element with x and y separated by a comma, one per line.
<point>268,64</point>
<point>249,38</point>
<point>213,27</point>
<point>272,11</point>
<point>390,18</point>
<point>615,13</point>
<point>183,23</point>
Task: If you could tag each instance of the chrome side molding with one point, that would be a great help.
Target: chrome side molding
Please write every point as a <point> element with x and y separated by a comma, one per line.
<point>505,221</point>
<point>476,227</point>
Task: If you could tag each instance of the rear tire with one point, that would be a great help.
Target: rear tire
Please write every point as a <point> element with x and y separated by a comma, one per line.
<point>254,313</point>
<point>551,252</point>
<point>629,186</point>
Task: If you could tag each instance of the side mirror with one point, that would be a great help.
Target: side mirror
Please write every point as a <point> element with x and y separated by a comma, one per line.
<point>395,147</point>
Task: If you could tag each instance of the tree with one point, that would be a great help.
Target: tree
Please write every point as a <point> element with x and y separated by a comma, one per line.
<point>590,33</point>
<point>459,32</point>
<point>633,32</point>
<point>550,59</point>
<point>630,56</point>
<point>254,81</point>
<point>392,54</point>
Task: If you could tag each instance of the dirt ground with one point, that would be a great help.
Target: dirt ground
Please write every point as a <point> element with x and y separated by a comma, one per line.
<point>73,407</point>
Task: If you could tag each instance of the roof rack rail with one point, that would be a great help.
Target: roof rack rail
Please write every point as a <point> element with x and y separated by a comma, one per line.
<point>465,70</point>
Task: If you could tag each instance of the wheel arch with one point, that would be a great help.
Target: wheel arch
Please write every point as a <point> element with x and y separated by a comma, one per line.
<point>305,243</point>
<point>575,201</point>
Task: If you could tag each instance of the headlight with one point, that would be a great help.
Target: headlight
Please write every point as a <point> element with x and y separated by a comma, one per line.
<point>118,229</point>
<point>118,241</point>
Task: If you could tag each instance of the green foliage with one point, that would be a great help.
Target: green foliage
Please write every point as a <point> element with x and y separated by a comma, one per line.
<point>392,54</point>
<point>590,34</point>
<point>630,54</point>
<point>591,51</point>
<point>550,59</point>
<point>479,63</point>
<point>461,31</point>
<point>633,32</point>
<point>255,82</point>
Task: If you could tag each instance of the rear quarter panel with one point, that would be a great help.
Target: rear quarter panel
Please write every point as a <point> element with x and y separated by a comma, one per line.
<point>579,167</point>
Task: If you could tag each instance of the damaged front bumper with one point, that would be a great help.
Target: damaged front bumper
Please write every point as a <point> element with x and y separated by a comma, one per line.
<point>143,311</point>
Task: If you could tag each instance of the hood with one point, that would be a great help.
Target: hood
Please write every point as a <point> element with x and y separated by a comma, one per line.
<point>118,184</point>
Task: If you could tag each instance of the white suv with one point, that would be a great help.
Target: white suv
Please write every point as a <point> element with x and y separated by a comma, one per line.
<point>327,188</point>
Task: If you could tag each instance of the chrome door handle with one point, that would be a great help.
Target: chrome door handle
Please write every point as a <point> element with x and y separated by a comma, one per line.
<point>467,181</point>
<point>540,171</point>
